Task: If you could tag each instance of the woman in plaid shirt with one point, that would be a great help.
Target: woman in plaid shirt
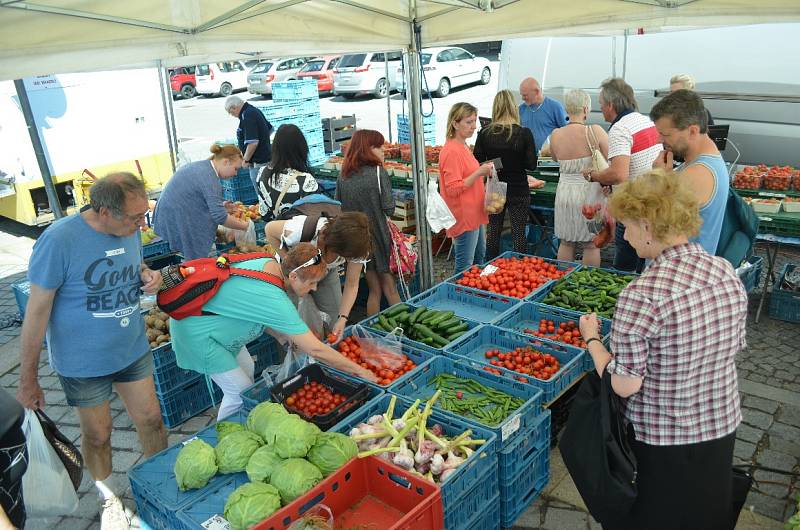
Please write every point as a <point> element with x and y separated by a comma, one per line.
<point>675,335</point>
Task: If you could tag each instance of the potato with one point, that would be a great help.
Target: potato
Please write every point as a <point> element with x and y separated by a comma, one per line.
<point>151,334</point>
<point>153,344</point>
<point>161,339</point>
<point>160,324</point>
<point>149,320</point>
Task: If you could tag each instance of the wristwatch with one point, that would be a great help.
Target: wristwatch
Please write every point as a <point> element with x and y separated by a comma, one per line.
<point>589,175</point>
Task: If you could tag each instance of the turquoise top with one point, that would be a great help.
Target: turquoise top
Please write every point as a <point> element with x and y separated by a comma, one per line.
<point>243,307</point>
<point>712,212</point>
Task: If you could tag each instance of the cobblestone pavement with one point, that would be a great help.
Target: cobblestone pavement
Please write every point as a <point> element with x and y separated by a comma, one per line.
<point>769,373</point>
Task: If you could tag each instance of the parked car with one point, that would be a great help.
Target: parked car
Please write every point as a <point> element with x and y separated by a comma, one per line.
<point>182,81</point>
<point>449,67</point>
<point>320,69</point>
<point>221,78</point>
<point>360,73</point>
<point>260,78</point>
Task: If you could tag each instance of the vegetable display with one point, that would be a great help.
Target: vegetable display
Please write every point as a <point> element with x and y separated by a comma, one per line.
<point>262,463</point>
<point>588,290</point>
<point>428,326</point>
<point>566,332</point>
<point>294,477</point>
<point>331,451</point>
<point>471,399</point>
<point>409,443</point>
<point>517,277</point>
<point>313,399</point>
<point>195,465</point>
<point>387,366</point>
<point>156,325</point>
<point>526,361</point>
<point>294,436</point>
<point>234,451</point>
<point>251,503</point>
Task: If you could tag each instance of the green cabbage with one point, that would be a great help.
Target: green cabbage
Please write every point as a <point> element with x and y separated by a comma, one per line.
<point>293,436</point>
<point>195,466</point>
<point>294,477</point>
<point>250,504</point>
<point>262,416</point>
<point>332,451</point>
<point>235,450</point>
<point>261,464</point>
<point>224,428</point>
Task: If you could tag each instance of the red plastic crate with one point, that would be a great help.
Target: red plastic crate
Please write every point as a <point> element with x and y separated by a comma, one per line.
<point>370,492</point>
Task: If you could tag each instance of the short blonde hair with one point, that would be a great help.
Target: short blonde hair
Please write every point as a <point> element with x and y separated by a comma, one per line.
<point>505,113</point>
<point>576,100</point>
<point>685,80</point>
<point>660,198</point>
<point>458,112</point>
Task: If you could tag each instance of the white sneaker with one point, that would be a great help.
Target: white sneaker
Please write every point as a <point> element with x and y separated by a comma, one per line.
<point>114,517</point>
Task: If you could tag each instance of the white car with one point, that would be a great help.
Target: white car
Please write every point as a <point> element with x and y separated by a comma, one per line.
<point>365,73</point>
<point>449,67</point>
<point>221,78</point>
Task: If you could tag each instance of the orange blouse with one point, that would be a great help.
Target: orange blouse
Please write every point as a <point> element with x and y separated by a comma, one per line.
<point>456,163</point>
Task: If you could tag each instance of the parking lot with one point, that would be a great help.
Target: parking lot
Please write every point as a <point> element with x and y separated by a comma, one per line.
<point>203,120</point>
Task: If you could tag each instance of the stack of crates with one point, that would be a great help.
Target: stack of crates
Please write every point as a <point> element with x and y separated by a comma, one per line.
<point>239,188</point>
<point>428,129</point>
<point>297,102</point>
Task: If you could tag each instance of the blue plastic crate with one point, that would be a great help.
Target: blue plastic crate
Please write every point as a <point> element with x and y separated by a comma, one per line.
<point>265,351</point>
<point>239,188</point>
<point>486,519</point>
<point>403,119</point>
<point>519,422</point>
<point>187,401</point>
<point>751,276</point>
<point>293,90</point>
<point>472,347</point>
<point>517,457</point>
<point>478,468</point>
<point>162,356</point>
<point>317,152</point>
<point>465,302</point>
<point>518,494</point>
<point>460,515</point>
<point>22,291</point>
<point>784,304</point>
<point>171,377</point>
<point>156,248</point>
<point>153,483</point>
<point>199,510</point>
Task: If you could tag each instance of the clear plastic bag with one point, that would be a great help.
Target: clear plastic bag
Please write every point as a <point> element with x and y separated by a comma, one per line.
<point>319,517</point>
<point>594,208</point>
<point>380,351</point>
<point>47,486</point>
<point>293,362</point>
<point>437,213</point>
<point>495,198</point>
<point>318,322</point>
<point>246,238</point>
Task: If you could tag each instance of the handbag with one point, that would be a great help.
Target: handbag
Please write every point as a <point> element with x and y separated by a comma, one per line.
<point>596,452</point>
<point>599,162</point>
<point>742,482</point>
<point>403,259</point>
<point>66,451</point>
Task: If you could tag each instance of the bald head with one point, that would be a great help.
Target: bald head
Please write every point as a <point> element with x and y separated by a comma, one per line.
<point>530,91</point>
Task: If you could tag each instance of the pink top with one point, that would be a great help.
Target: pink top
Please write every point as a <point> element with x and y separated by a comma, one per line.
<point>456,163</point>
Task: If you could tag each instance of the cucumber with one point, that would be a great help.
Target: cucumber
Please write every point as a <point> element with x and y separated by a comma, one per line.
<point>396,310</point>
<point>383,322</point>
<point>441,317</point>
<point>456,329</point>
<point>430,315</point>
<point>450,322</point>
<point>416,314</point>
<point>454,336</point>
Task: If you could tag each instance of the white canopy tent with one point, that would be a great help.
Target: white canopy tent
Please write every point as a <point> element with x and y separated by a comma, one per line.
<point>56,36</point>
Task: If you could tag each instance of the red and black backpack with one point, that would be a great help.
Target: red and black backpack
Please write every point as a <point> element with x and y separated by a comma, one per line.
<point>188,286</point>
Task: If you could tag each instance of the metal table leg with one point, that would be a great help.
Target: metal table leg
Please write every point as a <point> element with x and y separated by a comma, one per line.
<point>769,279</point>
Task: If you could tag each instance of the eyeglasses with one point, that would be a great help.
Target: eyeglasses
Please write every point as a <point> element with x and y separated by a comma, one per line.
<point>315,260</point>
<point>137,218</point>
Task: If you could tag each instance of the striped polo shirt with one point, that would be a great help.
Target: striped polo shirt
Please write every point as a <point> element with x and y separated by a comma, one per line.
<point>634,135</point>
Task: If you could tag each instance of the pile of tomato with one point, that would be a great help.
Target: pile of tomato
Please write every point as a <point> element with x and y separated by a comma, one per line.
<point>386,372</point>
<point>566,332</point>
<point>527,360</point>
<point>313,399</point>
<point>517,277</point>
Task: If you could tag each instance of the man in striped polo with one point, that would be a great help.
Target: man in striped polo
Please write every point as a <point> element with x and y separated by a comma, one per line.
<point>633,145</point>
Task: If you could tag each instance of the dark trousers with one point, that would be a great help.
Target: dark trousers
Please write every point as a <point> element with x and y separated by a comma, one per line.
<point>625,258</point>
<point>517,206</point>
<point>682,487</point>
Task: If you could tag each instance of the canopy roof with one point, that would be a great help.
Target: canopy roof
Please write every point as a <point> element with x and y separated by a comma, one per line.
<point>55,36</point>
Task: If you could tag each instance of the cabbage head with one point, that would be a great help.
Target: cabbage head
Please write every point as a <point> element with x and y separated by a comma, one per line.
<point>261,464</point>
<point>262,415</point>
<point>224,428</point>
<point>294,477</point>
<point>195,466</point>
<point>235,450</point>
<point>293,436</point>
<point>332,451</point>
<point>251,503</point>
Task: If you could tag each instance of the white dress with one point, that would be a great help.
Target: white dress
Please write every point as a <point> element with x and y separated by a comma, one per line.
<point>570,225</point>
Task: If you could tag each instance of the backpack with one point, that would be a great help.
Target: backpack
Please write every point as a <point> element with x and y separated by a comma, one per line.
<point>738,232</point>
<point>188,286</point>
<point>313,207</point>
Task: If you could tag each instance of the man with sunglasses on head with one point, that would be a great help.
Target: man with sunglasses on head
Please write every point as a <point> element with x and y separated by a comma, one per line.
<point>86,275</point>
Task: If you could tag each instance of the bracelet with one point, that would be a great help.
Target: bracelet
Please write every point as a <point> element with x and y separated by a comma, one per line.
<point>590,341</point>
<point>590,175</point>
<point>345,317</point>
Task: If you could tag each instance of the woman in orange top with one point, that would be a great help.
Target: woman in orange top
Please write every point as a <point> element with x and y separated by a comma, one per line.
<point>461,187</point>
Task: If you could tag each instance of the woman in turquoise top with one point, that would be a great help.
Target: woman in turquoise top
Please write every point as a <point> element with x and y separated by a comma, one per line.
<point>242,309</point>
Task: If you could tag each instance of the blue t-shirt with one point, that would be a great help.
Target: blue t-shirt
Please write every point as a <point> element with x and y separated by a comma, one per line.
<point>713,212</point>
<point>96,327</point>
<point>542,119</point>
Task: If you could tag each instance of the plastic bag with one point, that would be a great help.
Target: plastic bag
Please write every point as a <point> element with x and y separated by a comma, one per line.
<point>246,238</point>
<point>319,517</point>
<point>437,213</point>
<point>495,198</point>
<point>293,362</point>
<point>380,351</point>
<point>47,485</point>
<point>594,208</point>
<point>318,322</point>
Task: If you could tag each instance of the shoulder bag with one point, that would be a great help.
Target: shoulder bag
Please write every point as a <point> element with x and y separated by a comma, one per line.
<point>403,260</point>
<point>599,162</point>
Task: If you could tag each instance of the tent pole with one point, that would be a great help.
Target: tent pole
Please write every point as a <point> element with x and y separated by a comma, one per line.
<point>169,114</point>
<point>388,95</point>
<point>38,148</point>
<point>418,164</point>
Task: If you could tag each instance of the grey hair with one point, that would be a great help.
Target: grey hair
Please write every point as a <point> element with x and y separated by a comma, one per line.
<point>685,80</point>
<point>618,94</point>
<point>233,102</point>
<point>576,100</point>
<point>112,191</point>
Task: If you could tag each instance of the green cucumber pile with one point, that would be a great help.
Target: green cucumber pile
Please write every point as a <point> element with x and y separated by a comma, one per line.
<point>588,290</point>
<point>428,326</point>
<point>470,399</point>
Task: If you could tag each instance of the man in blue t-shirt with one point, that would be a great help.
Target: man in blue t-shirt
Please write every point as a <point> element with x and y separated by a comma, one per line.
<point>86,274</point>
<point>538,113</point>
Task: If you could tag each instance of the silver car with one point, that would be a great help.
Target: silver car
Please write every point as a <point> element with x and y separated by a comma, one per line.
<point>260,78</point>
<point>365,73</point>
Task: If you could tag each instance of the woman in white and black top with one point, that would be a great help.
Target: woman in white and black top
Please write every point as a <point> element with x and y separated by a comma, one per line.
<point>286,178</point>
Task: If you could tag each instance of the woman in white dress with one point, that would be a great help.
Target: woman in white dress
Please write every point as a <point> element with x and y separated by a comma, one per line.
<point>570,146</point>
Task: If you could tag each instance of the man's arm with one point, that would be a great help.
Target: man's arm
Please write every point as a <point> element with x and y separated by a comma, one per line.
<point>701,181</point>
<point>37,316</point>
<point>616,172</point>
<point>249,151</point>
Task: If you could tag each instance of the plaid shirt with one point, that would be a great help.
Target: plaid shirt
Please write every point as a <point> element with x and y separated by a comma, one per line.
<point>679,326</point>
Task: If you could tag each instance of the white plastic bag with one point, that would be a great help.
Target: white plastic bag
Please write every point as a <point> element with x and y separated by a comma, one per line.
<point>495,198</point>
<point>594,208</point>
<point>318,323</point>
<point>437,213</point>
<point>46,483</point>
<point>246,238</point>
